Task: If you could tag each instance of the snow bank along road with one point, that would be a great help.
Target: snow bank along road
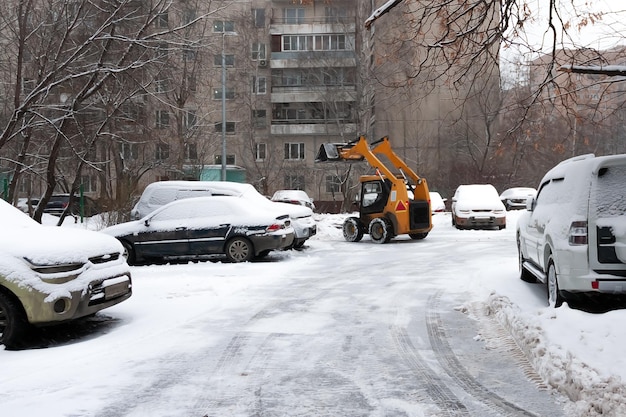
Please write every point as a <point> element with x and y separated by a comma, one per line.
<point>338,329</point>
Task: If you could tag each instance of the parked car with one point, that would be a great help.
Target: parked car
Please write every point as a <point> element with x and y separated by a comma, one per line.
<point>50,274</point>
<point>437,203</point>
<point>573,236</point>
<point>202,227</point>
<point>515,198</point>
<point>58,203</point>
<point>477,206</point>
<point>294,197</point>
<point>159,193</point>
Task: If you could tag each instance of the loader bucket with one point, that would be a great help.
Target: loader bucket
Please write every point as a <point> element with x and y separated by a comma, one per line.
<point>328,152</point>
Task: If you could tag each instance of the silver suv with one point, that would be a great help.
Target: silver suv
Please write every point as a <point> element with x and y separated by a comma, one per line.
<point>573,235</point>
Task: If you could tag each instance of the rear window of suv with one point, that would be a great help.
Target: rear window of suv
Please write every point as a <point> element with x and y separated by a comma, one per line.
<point>609,194</point>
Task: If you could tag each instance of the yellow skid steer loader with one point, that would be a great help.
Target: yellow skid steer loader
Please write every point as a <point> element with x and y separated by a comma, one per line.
<point>391,203</point>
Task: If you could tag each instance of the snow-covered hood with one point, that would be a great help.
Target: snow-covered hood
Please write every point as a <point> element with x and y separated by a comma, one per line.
<point>50,244</point>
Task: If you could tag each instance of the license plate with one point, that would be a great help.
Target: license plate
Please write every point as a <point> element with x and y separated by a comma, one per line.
<point>116,290</point>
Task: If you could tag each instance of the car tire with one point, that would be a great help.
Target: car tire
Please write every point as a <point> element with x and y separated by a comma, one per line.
<point>299,244</point>
<point>418,236</point>
<point>13,324</point>
<point>239,249</point>
<point>555,299</point>
<point>129,253</point>
<point>353,229</point>
<point>380,230</point>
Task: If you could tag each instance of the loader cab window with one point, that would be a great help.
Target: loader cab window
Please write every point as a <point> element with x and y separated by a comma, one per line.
<point>374,196</point>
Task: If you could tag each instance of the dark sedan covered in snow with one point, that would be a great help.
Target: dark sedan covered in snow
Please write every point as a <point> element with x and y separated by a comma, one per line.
<point>203,228</point>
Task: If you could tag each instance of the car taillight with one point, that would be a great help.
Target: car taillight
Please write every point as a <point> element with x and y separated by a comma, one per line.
<point>274,227</point>
<point>578,233</point>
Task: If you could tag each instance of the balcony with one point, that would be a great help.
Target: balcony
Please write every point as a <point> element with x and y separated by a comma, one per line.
<point>308,93</point>
<point>312,59</point>
<point>313,127</point>
<point>316,24</point>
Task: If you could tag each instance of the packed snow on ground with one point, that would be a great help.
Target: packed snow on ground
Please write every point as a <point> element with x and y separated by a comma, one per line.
<point>580,354</point>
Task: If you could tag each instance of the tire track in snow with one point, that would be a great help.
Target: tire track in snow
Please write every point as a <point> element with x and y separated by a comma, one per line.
<point>453,367</point>
<point>435,387</point>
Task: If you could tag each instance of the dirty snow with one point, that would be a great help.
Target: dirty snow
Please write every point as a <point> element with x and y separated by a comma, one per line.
<point>579,354</point>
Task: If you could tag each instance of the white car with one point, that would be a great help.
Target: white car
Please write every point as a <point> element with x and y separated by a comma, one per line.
<point>50,275</point>
<point>293,197</point>
<point>573,235</point>
<point>477,206</point>
<point>437,203</point>
<point>160,193</point>
<point>515,198</point>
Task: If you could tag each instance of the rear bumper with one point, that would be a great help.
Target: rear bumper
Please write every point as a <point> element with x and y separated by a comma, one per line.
<point>575,275</point>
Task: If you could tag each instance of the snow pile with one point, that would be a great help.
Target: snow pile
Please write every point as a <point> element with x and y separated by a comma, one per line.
<point>591,393</point>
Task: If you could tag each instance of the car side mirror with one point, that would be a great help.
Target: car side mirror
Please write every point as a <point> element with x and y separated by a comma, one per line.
<point>530,203</point>
<point>147,222</point>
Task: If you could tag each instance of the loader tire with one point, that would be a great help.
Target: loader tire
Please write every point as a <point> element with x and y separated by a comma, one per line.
<point>353,229</point>
<point>380,230</point>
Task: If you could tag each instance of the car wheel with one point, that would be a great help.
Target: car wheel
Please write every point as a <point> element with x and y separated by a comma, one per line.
<point>418,236</point>
<point>555,299</point>
<point>524,274</point>
<point>380,230</point>
<point>239,249</point>
<point>299,244</point>
<point>13,323</point>
<point>353,229</point>
<point>129,253</point>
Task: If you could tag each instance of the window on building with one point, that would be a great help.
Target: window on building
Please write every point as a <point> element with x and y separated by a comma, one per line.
<point>28,85</point>
<point>294,15</point>
<point>162,119</point>
<point>190,119</point>
<point>88,183</point>
<point>189,54</point>
<point>191,83</point>
<point>333,184</point>
<point>230,159</point>
<point>162,50</point>
<point>335,14</point>
<point>160,86</point>
<point>221,26</point>
<point>191,151</point>
<point>129,151</point>
<point>258,16</point>
<point>230,127</point>
<point>259,85</point>
<point>258,51</point>
<point>161,20</point>
<point>296,42</point>
<point>162,151</point>
<point>294,151</point>
<point>261,149</point>
<point>189,15</point>
<point>230,93</point>
<point>229,60</point>
<point>259,118</point>
<point>294,182</point>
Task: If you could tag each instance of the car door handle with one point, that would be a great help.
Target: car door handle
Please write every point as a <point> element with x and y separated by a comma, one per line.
<point>181,228</point>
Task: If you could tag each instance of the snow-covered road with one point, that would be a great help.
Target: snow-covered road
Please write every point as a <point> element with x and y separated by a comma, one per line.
<point>408,328</point>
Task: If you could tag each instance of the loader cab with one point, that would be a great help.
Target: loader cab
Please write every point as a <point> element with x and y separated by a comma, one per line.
<point>374,195</point>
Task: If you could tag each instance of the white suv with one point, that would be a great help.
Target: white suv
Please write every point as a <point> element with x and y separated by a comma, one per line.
<point>573,235</point>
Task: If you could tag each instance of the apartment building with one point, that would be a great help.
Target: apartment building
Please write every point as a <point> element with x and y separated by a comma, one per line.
<point>251,89</point>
